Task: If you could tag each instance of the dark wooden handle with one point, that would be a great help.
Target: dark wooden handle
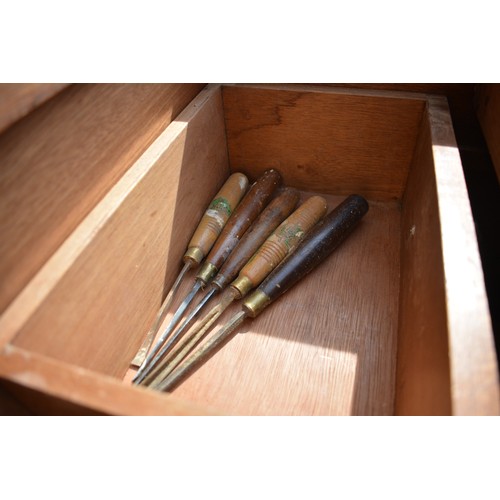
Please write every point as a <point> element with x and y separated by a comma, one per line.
<point>318,244</point>
<point>273,215</point>
<point>242,218</point>
<point>283,241</point>
<point>216,216</point>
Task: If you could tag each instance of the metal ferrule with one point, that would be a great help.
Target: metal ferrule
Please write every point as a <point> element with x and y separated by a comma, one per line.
<point>193,254</point>
<point>207,272</point>
<point>254,304</point>
<point>243,285</point>
<point>219,282</point>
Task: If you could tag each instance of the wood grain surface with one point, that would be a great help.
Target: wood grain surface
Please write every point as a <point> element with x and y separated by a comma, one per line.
<point>459,95</point>
<point>310,136</point>
<point>324,348</point>
<point>101,289</point>
<point>61,159</point>
<point>19,99</point>
<point>50,387</point>
<point>423,384</point>
<point>329,345</point>
<point>473,361</point>
<point>446,355</point>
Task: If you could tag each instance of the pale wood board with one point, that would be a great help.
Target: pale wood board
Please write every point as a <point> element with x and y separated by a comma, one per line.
<point>19,99</point>
<point>310,135</point>
<point>327,347</point>
<point>93,301</point>
<point>446,354</point>
<point>50,387</point>
<point>488,112</point>
<point>62,158</point>
<point>423,369</point>
<point>473,361</point>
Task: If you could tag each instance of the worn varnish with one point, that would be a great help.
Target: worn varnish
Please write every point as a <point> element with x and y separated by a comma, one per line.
<point>322,240</point>
<point>271,217</point>
<point>279,244</point>
<point>245,213</point>
<point>213,224</point>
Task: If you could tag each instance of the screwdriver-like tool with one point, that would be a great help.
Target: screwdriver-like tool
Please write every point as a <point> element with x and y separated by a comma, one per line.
<point>273,215</point>
<point>203,239</point>
<point>276,247</point>
<point>241,219</point>
<point>312,251</point>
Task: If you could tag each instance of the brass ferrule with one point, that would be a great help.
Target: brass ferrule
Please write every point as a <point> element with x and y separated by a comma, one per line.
<point>193,254</point>
<point>219,283</point>
<point>254,304</point>
<point>242,284</point>
<point>207,272</point>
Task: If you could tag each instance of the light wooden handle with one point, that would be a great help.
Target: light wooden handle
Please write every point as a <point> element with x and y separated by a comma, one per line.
<point>215,217</point>
<point>318,244</point>
<point>283,241</point>
<point>245,213</point>
<point>273,215</point>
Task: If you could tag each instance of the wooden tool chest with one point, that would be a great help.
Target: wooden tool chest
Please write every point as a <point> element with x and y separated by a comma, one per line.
<point>102,185</point>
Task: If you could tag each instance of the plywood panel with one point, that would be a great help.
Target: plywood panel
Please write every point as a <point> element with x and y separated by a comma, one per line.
<point>51,387</point>
<point>101,289</point>
<point>309,134</point>
<point>59,161</point>
<point>446,355</point>
<point>473,362</point>
<point>327,347</point>
<point>459,95</point>
<point>18,99</point>
<point>423,384</point>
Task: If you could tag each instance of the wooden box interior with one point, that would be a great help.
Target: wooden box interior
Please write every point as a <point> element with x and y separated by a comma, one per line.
<point>373,331</point>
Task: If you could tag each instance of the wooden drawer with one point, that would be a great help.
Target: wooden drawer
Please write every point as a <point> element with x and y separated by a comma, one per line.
<point>395,322</point>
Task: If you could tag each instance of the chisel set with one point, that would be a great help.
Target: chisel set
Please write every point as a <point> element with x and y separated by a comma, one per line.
<point>252,244</point>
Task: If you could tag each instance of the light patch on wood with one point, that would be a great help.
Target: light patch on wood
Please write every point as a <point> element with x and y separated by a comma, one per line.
<point>321,349</point>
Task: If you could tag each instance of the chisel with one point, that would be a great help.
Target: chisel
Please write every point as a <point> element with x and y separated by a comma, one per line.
<point>282,242</point>
<point>312,251</point>
<point>203,239</point>
<point>272,216</point>
<point>240,220</point>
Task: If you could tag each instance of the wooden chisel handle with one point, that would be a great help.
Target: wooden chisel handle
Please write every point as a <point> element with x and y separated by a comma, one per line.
<point>272,216</point>
<point>215,217</point>
<point>319,243</point>
<point>282,241</point>
<point>241,219</point>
